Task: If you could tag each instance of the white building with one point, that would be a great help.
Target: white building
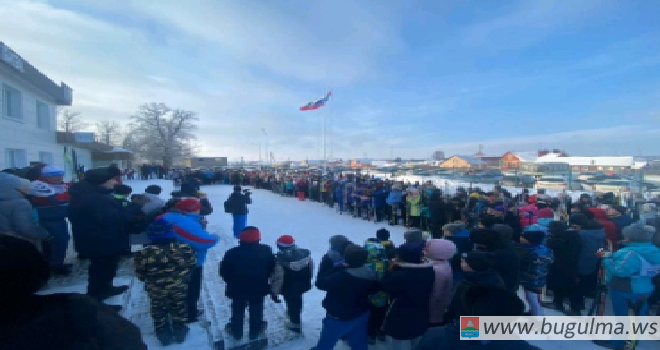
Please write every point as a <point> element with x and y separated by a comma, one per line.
<point>590,163</point>
<point>28,111</point>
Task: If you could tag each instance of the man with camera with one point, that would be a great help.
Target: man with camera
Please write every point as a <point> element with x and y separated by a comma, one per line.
<point>236,205</point>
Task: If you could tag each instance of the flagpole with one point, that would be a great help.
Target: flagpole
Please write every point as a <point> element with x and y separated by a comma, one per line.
<point>325,158</point>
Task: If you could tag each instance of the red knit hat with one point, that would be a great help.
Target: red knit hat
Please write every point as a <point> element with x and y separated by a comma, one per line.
<point>285,241</point>
<point>188,205</point>
<point>250,234</point>
<point>546,213</point>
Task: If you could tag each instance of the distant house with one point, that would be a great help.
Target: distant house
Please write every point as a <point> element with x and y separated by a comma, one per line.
<point>513,160</point>
<point>590,163</point>
<point>491,161</point>
<point>463,162</point>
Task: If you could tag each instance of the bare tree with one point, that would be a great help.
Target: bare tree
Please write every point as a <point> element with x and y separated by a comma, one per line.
<point>70,121</point>
<point>163,134</point>
<point>109,131</point>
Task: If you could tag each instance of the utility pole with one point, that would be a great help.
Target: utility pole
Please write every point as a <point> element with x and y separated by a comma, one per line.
<point>266,134</point>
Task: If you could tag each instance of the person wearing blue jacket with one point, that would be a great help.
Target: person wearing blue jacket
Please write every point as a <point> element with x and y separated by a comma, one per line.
<point>534,266</point>
<point>188,229</point>
<point>629,272</point>
<point>394,201</point>
<point>380,199</point>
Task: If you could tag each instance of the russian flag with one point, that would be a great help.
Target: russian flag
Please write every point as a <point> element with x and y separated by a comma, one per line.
<point>317,104</point>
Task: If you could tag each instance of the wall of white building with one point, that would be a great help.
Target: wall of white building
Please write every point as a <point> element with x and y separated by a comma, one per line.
<point>28,123</point>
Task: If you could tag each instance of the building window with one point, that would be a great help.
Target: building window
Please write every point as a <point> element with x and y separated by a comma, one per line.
<point>12,101</point>
<point>43,116</point>
<point>46,158</point>
<point>15,158</point>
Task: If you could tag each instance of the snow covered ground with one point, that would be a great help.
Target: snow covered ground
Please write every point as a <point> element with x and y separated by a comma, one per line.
<point>310,223</point>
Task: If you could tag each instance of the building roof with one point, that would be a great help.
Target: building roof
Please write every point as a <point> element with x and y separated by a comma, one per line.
<point>23,71</point>
<point>526,157</point>
<point>472,160</point>
<point>69,138</point>
<point>588,161</point>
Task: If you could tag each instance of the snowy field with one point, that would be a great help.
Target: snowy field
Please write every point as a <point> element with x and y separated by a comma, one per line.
<point>310,223</point>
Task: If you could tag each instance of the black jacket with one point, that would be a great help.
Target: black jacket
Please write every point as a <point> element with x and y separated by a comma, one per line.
<point>238,203</point>
<point>348,291</point>
<point>488,278</point>
<point>409,287</point>
<point>98,222</point>
<point>247,269</point>
<point>293,272</point>
<point>507,265</point>
<point>566,246</point>
<point>65,321</point>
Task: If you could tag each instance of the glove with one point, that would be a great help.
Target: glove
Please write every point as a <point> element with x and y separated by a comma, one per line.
<point>275,298</point>
<point>602,253</point>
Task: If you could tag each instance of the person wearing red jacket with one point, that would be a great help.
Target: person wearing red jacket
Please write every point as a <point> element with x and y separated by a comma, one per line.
<point>600,215</point>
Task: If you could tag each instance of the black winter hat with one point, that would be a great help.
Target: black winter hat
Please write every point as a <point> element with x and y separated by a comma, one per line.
<point>153,189</point>
<point>479,261</point>
<point>410,252</point>
<point>237,188</point>
<point>98,176</point>
<point>489,238</point>
<point>188,188</point>
<point>534,237</point>
<point>123,190</point>
<point>23,270</point>
<point>579,220</point>
<point>383,234</point>
<point>355,256</point>
<point>414,236</point>
<point>491,301</point>
<point>339,242</point>
<point>557,226</point>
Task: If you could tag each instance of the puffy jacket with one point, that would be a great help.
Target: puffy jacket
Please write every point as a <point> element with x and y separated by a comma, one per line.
<point>16,215</point>
<point>188,230</point>
<point>53,207</point>
<point>348,291</point>
<point>238,203</point>
<point>394,197</point>
<point>623,267</point>
<point>534,266</point>
<point>247,269</point>
<point>293,272</point>
<point>609,227</point>
<point>415,205</point>
<point>529,215</point>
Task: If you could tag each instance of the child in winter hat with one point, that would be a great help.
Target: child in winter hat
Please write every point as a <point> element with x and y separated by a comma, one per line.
<point>410,253</point>
<point>250,234</point>
<point>638,233</point>
<point>440,251</point>
<point>285,242</point>
<point>188,205</point>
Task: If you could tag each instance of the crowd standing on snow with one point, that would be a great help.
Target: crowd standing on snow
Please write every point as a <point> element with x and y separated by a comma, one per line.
<point>468,254</point>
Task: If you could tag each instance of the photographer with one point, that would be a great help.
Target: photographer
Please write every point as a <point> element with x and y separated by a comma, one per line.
<point>236,205</point>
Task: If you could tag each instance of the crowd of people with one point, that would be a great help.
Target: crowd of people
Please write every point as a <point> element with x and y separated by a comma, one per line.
<point>468,254</point>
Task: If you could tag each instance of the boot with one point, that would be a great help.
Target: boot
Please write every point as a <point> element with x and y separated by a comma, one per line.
<point>164,336</point>
<point>180,334</point>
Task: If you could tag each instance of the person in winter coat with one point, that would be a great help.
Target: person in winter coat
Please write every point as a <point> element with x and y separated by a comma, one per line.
<point>394,201</point>
<point>546,215</point>
<point>52,210</point>
<point>379,202</point>
<point>507,261</point>
<point>185,217</point>
<point>592,238</point>
<point>17,218</point>
<point>629,272</point>
<point>302,186</point>
<point>378,262</point>
<point>477,271</point>
<point>562,277</point>
<point>529,215</point>
<point>437,212</point>
<point>156,204</point>
<point>98,223</point>
<point>335,254</point>
<point>534,265</point>
<point>409,286</point>
<point>191,190</point>
<point>348,285</point>
<point>460,236</point>
<point>246,270</point>
<point>165,267</point>
<point>618,216</point>
<point>237,206</point>
<point>383,238</point>
<point>292,278</point>
<point>600,215</point>
<point>55,321</point>
<point>413,201</point>
<point>478,301</point>
<point>439,252</point>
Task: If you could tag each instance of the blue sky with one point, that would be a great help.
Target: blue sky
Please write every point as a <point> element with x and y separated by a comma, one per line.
<point>412,77</point>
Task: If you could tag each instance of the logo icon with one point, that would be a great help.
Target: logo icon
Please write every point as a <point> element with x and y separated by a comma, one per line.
<point>469,327</point>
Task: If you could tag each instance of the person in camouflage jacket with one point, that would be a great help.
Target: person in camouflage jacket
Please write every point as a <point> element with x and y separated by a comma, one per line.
<point>165,267</point>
